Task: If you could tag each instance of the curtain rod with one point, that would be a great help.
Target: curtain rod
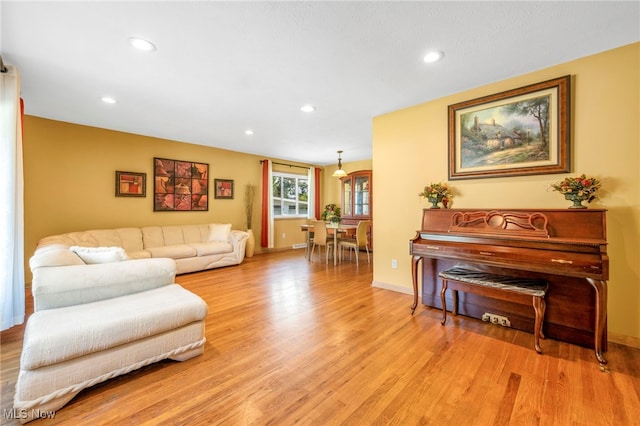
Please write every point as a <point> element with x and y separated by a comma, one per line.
<point>2,67</point>
<point>290,165</point>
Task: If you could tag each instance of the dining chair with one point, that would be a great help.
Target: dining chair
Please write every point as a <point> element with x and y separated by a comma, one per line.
<point>361,240</point>
<point>310,233</point>
<point>321,238</point>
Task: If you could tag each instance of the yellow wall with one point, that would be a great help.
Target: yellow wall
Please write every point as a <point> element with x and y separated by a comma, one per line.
<point>410,151</point>
<point>70,182</point>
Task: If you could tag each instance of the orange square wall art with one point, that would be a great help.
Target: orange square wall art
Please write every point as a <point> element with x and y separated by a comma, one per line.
<point>180,185</point>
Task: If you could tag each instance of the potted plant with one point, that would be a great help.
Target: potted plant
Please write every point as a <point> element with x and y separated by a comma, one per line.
<point>437,193</point>
<point>578,189</point>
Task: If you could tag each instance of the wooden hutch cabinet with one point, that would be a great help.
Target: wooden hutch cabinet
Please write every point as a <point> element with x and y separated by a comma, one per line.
<point>356,196</point>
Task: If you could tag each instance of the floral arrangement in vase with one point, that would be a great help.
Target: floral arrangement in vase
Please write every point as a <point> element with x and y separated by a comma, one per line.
<point>331,213</point>
<point>437,193</point>
<point>578,189</point>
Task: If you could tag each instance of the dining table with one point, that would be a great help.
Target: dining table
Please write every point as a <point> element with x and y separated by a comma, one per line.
<point>332,228</point>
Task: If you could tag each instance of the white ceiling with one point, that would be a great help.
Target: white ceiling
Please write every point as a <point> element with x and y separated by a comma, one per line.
<point>223,67</point>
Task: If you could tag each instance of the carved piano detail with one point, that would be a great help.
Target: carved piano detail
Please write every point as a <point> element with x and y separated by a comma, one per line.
<point>568,248</point>
<point>501,223</point>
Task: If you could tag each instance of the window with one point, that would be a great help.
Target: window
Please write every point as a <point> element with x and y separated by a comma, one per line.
<point>290,195</point>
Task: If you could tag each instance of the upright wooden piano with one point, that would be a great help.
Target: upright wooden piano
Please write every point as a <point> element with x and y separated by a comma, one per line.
<point>566,247</point>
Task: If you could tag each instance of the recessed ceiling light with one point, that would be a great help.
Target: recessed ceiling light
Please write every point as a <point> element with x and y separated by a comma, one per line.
<point>433,56</point>
<point>248,132</point>
<point>108,100</point>
<point>142,44</point>
<point>308,108</point>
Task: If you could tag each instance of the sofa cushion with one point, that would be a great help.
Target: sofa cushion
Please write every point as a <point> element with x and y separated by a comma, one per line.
<point>105,237</point>
<point>178,251</point>
<point>73,285</point>
<point>93,255</point>
<point>219,231</point>
<point>81,238</point>
<point>195,233</point>
<point>54,255</point>
<point>140,254</point>
<point>172,235</point>
<point>212,247</point>
<point>57,335</point>
<point>152,237</point>
<point>130,239</point>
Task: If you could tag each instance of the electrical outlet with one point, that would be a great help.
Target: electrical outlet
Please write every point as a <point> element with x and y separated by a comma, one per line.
<point>496,319</point>
<point>503,321</point>
<point>394,263</point>
<point>284,235</point>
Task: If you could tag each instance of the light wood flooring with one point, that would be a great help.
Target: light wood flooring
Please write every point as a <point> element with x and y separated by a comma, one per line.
<point>293,342</point>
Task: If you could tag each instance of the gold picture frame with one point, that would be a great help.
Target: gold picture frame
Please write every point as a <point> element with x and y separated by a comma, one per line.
<point>518,132</point>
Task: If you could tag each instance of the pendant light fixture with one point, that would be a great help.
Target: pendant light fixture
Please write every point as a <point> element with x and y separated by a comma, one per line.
<point>339,172</point>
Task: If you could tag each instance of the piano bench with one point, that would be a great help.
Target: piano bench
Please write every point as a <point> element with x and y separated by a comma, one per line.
<point>512,289</point>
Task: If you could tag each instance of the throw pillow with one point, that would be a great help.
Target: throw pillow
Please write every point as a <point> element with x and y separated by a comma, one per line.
<point>219,232</point>
<point>93,255</point>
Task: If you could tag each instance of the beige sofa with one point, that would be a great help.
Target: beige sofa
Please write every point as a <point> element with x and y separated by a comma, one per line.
<point>192,247</point>
<point>98,321</point>
<point>97,263</point>
<point>105,304</point>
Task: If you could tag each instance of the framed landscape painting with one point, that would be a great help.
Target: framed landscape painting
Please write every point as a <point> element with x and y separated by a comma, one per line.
<point>523,131</point>
<point>180,185</point>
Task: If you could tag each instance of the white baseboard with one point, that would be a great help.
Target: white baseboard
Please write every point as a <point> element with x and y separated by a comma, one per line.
<point>392,287</point>
<point>621,339</point>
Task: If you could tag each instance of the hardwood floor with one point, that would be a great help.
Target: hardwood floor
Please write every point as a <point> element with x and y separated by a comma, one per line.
<point>293,342</point>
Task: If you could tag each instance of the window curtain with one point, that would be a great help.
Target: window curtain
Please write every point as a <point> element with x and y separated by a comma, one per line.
<point>314,193</point>
<point>12,208</point>
<point>266,239</point>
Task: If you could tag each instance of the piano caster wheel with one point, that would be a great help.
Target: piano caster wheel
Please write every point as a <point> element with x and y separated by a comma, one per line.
<point>604,368</point>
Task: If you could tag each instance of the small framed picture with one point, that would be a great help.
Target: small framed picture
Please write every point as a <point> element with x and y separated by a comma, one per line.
<point>131,184</point>
<point>224,189</point>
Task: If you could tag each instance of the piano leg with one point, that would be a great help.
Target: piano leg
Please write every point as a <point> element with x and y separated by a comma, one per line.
<point>601,318</point>
<point>539,306</point>
<point>443,300</point>
<point>415,262</point>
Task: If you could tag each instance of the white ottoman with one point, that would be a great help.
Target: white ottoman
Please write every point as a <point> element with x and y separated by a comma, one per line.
<point>69,349</point>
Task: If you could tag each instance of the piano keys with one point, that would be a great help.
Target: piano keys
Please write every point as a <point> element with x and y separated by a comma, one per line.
<point>568,248</point>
